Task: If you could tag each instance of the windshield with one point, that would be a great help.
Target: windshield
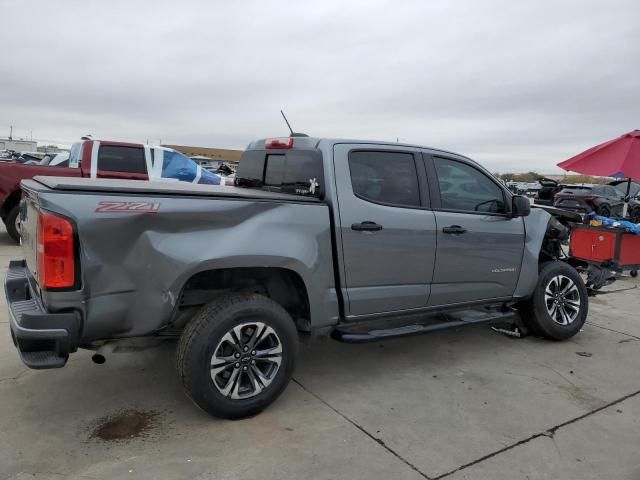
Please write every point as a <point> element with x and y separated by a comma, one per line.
<point>634,191</point>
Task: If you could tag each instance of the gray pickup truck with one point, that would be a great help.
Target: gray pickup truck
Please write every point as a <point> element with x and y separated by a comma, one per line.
<point>359,240</point>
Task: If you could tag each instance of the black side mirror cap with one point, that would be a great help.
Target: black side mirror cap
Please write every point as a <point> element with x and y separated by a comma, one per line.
<point>520,206</point>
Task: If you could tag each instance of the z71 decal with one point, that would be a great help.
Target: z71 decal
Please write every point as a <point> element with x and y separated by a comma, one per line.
<point>127,207</point>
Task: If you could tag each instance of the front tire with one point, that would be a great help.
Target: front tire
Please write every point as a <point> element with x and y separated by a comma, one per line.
<point>559,305</point>
<point>11,224</point>
<point>237,355</point>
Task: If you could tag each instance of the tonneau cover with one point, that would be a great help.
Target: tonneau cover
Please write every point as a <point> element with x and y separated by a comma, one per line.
<point>163,188</point>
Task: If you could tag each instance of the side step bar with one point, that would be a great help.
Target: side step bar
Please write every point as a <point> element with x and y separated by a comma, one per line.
<point>359,333</point>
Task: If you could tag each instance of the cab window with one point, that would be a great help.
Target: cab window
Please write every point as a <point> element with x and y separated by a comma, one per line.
<point>467,189</point>
<point>114,158</point>
<point>389,178</point>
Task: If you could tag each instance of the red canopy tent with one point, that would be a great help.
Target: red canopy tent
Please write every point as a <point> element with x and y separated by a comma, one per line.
<point>619,157</point>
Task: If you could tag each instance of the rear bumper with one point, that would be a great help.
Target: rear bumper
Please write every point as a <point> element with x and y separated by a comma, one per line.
<point>44,340</point>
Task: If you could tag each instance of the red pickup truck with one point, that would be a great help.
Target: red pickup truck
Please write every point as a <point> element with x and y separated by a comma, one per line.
<point>99,159</point>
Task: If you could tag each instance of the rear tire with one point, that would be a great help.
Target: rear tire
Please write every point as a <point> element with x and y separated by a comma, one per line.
<point>559,305</point>
<point>237,355</point>
<point>10,224</point>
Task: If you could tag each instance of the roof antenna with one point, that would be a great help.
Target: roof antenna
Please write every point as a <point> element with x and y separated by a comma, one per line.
<point>293,134</point>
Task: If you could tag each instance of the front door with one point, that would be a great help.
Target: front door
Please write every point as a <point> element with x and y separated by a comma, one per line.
<point>480,246</point>
<point>386,228</point>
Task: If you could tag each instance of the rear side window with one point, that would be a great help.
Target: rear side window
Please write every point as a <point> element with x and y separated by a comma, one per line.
<point>115,158</point>
<point>385,177</point>
<point>465,188</point>
<point>299,172</point>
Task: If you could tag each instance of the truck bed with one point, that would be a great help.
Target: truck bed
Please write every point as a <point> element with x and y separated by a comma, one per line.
<point>141,243</point>
<point>161,188</point>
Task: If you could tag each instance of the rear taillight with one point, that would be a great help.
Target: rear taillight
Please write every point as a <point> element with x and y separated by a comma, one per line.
<point>277,143</point>
<point>55,252</point>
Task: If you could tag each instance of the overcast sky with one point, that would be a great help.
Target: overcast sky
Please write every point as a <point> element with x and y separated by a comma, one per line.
<point>517,85</point>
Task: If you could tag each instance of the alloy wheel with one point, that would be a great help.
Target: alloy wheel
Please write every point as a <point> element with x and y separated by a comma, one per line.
<point>562,299</point>
<point>246,360</point>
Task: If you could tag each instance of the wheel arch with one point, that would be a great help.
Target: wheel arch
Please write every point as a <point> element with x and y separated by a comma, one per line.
<point>536,224</point>
<point>283,285</point>
<point>11,201</point>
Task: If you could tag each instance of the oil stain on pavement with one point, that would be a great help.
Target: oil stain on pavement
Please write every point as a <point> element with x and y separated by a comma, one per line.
<point>125,425</point>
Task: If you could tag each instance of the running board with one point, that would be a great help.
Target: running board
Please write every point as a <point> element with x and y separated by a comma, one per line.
<point>359,333</point>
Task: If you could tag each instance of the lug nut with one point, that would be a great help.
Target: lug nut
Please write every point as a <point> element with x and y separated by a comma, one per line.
<point>245,348</point>
<point>253,352</point>
<point>237,365</point>
<point>244,368</point>
<point>237,355</point>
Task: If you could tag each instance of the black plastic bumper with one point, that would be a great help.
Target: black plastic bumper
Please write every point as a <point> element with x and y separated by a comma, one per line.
<point>43,339</point>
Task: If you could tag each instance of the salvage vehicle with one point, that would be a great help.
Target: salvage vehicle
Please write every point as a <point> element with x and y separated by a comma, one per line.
<point>548,190</point>
<point>634,197</point>
<point>359,240</point>
<point>605,200</point>
<point>60,159</point>
<point>97,159</point>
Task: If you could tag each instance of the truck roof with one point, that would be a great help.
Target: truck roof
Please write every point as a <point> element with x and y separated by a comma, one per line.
<point>316,142</point>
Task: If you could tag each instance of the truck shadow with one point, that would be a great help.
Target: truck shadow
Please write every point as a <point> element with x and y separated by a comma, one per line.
<point>147,380</point>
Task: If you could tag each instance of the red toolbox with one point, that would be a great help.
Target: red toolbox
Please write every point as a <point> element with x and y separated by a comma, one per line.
<point>598,244</point>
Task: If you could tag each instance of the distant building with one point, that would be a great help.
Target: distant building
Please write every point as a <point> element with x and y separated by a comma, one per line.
<point>18,145</point>
<point>216,155</point>
<point>51,149</point>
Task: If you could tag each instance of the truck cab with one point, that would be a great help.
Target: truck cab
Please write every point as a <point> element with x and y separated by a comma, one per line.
<point>416,228</point>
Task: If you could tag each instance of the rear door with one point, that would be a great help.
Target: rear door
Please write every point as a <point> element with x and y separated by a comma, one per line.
<point>386,227</point>
<point>480,246</point>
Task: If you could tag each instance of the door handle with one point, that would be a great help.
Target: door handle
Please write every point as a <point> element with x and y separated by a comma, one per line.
<point>454,229</point>
<point>366,227</point>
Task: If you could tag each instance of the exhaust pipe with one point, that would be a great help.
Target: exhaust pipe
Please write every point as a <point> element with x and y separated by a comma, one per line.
<point>101,354</point>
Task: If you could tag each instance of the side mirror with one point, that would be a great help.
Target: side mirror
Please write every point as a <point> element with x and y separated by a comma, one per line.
<point>520,206</point>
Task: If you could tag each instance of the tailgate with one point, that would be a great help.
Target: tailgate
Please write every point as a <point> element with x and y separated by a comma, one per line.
<point>29,210</point>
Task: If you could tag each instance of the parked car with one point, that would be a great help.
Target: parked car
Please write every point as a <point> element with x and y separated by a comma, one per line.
<point>30,157</point>
<point>8,155</point>
<point>634,190</point>
<point>634,200</point>
<point>98,159</point>
<point>355,239</point>
<point>548,189</point>
<point>60,159</point>
<point>518,188</point>
<point>532,188</point>
<point>604,200</point>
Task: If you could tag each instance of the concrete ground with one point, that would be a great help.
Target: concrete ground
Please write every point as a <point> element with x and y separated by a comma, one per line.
<point>465,404</point>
